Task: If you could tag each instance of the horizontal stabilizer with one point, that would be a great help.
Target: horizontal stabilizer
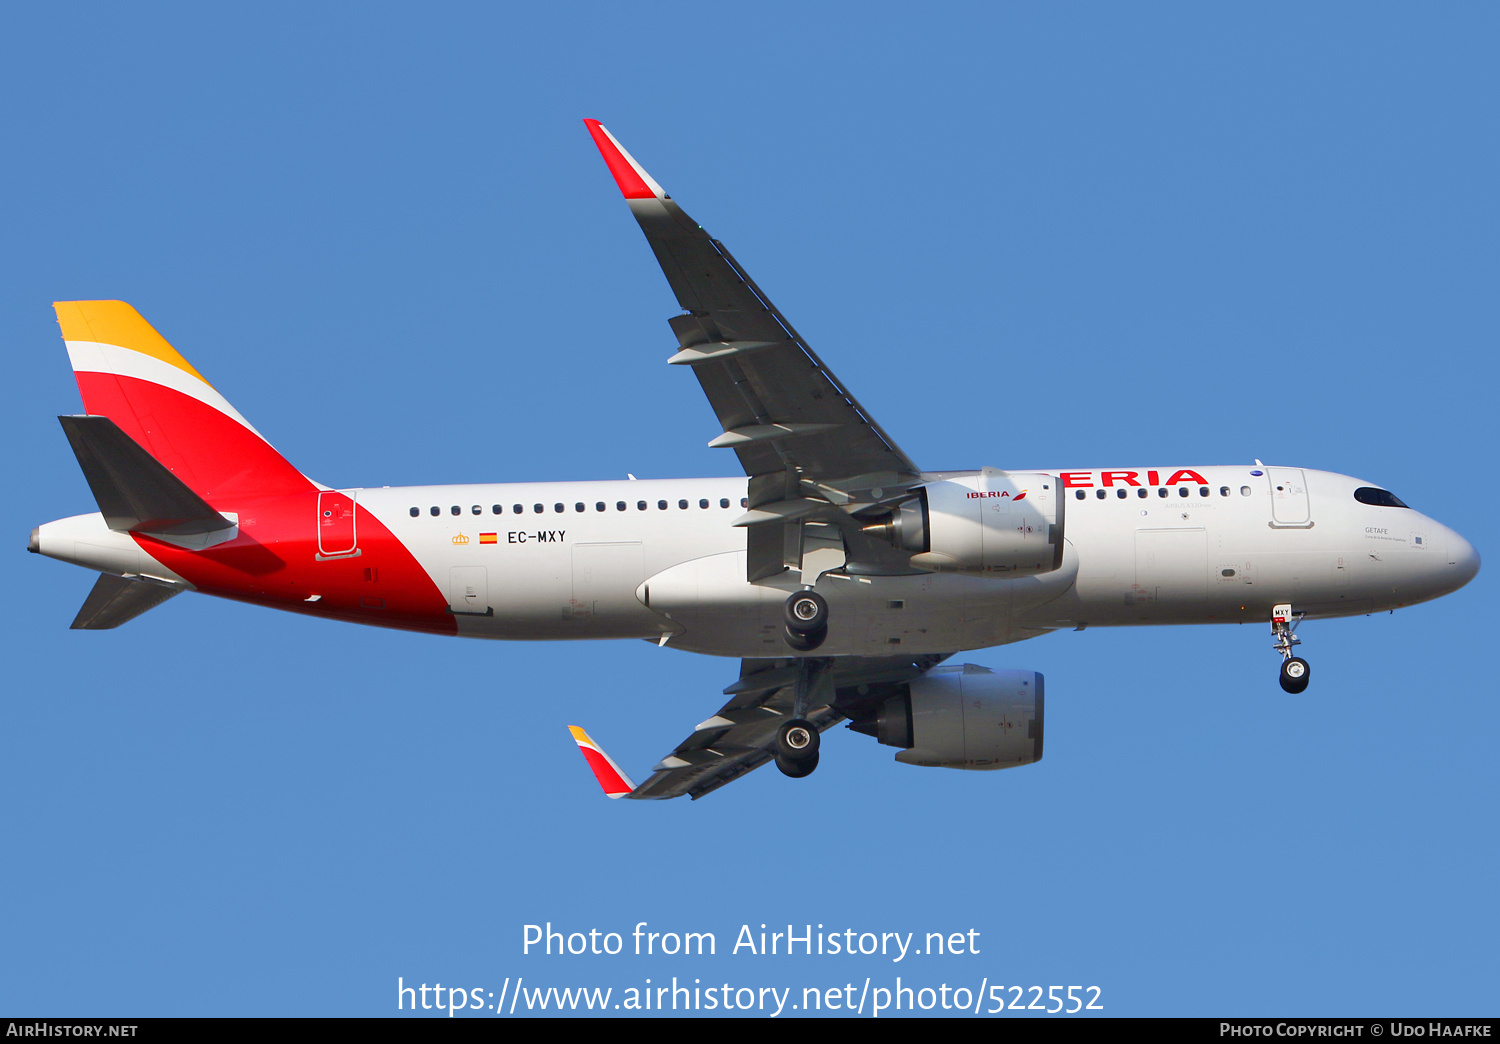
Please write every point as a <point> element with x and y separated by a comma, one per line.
<point>136,493</point>
<point>116,600</point>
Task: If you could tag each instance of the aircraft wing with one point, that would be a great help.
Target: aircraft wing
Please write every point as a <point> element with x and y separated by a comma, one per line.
<point>808,446</point>
<point>741,736</point>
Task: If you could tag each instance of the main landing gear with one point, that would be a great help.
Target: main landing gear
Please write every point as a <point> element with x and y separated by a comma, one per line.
<point>1295,672</point>
<point>797,748</point>
<point>797,739</point>
<point>806,620</point>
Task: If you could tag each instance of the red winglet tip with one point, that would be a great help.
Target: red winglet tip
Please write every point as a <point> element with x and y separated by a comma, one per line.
<point>613,781</point>
<point>628,176</point>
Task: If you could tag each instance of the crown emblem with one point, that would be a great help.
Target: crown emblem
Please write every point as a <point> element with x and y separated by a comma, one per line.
<point>460,539</point>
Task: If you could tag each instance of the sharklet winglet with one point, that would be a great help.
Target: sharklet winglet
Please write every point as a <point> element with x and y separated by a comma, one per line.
<point>614,781</point>
<point>632,178</point>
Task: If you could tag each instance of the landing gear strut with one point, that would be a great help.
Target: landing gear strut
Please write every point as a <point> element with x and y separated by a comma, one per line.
<point>1295,672</point>
<point>797,740</point>
<point>806,620</point>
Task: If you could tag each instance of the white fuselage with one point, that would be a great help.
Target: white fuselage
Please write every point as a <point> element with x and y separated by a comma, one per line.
<point>1136,553</point>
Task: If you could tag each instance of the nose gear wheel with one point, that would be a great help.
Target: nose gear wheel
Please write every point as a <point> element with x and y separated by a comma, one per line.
<point>1295,672</point>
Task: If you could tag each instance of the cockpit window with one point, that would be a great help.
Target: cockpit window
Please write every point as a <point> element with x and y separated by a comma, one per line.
<point>1377,497</point>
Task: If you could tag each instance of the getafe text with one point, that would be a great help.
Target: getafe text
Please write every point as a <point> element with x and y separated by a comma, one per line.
<point>797,940</point>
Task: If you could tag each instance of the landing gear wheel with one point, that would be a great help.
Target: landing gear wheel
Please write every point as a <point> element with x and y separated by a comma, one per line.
<point>805,642</point>
<point>806,613</point>
<point>797,740</point>
<point>1295,674</point>
<point>797,769</point>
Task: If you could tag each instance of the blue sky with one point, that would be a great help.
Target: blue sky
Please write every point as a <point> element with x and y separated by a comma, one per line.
<point>1024,236</point>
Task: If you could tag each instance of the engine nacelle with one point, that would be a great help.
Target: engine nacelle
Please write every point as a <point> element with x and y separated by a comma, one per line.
<point>992,523</point>
<point>964,717</point>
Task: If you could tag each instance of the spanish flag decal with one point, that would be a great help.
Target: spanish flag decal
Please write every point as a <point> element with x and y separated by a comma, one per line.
<point>487,538</point>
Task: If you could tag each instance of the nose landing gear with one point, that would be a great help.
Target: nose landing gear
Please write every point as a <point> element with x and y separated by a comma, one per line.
<point>1295,672</point>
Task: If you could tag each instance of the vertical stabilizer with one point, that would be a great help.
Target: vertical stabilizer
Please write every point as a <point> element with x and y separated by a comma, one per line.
<point>126,371</point>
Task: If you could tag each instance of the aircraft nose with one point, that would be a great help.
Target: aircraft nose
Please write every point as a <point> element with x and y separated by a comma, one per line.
<point>1463,560</point>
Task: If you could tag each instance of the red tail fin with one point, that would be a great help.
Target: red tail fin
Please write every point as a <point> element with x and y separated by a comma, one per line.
<point>126,371</point>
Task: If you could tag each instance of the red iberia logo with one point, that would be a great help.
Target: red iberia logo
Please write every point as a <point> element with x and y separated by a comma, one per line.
<point>487,538</point>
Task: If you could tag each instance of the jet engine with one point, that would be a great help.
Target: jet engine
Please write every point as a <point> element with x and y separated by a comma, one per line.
<point>989,523</point>
<point>963,717</point>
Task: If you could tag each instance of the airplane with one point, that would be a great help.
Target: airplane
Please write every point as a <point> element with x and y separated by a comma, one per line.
<point>840,573</point>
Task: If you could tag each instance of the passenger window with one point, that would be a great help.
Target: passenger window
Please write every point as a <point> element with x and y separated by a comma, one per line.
<point>518,509</point>
<point>557,508</point>
<point>1122,493</point>
<point>415,512</point>
<point>619,505</point>
<point>599,506</point>
<point>1223,491</point>
<point>640,505</point>
<point>1244,491</point>
<point>682,505</point>
<point>661,505</point>
<point>703,503</point>
<point>1101,494</point>
<point>744,502</point>
<point>1182,491</point>
<point>538,508</point>
<point>457,510</point>
<point>1162,492</point>
<point>1203,491</point>
<point>497,509</point>
<point>436,510</point>
<point>476,509</point>
<point>1080,494</point>
<point>1141,493</point>
<point>578,506</point>
<point>723,502</point>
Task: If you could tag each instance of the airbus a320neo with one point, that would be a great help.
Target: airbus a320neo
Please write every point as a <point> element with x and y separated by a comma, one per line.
<point>839,572</point>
